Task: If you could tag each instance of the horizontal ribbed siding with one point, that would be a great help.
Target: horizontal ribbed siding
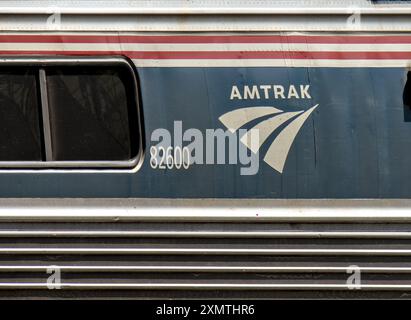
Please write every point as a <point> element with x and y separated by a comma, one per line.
<point>211,260</point>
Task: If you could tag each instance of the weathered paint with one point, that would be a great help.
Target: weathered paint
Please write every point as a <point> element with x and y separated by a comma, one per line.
<point>353,145</point>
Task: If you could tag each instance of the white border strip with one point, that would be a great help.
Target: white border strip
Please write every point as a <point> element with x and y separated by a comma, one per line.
<point>272,63</point>
<point>205,47</point>
<point>202,286</point>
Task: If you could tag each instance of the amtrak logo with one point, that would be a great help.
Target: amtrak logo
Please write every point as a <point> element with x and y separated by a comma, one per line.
<point>277,153</point>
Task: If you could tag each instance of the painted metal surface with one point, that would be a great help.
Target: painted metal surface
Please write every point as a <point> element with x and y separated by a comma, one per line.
<point>199,231</point>
<point>353,145</point>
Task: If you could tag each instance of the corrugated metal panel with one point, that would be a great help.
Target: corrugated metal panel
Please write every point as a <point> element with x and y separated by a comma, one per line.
<point>194,259</point>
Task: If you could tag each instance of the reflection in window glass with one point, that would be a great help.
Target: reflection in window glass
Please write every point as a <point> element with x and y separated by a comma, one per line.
<point>90,113</point>
<point>20,138</point>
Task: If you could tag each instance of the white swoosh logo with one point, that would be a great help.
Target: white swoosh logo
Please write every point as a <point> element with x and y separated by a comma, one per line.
<point>277,153</point>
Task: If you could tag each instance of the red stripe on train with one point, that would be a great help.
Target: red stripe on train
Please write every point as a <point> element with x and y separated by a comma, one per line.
<point>320,55</point>
<point>354,39</point>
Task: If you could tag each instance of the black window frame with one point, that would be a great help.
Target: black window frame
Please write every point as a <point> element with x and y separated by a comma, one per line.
<point>63,61</point>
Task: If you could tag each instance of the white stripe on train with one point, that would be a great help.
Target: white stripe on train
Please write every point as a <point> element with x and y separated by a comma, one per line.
<point>203,47</point>
<point>272,63</point>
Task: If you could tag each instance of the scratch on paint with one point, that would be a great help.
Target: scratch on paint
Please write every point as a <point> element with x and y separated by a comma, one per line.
<point>315,143</point>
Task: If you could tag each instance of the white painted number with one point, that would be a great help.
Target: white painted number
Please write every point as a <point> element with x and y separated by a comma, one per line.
<point>170,158</point>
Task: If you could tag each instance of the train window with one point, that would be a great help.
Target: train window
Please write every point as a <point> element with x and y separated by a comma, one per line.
<point>69,113</point>
<point>19,115</point>
<point>89,113</point>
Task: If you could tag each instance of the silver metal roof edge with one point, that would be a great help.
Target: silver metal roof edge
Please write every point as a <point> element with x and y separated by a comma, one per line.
<point>202,7</point>
<point>405,10</point>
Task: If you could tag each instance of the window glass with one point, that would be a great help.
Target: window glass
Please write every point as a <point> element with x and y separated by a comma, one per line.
<point>20,135</point>
<point>91,113</point>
